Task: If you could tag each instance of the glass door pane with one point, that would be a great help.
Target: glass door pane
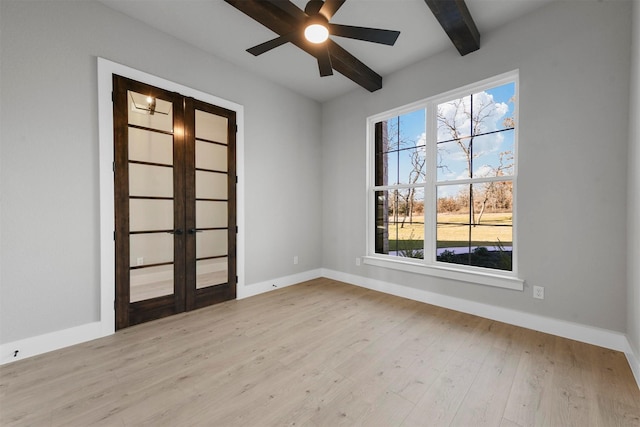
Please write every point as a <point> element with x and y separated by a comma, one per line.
<point>211,190</point>
<point>151,197</point>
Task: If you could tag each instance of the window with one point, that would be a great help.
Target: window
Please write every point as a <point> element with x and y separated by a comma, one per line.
<point>442,182</point>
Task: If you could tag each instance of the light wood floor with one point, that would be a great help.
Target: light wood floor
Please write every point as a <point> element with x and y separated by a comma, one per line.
<point>322,353</point>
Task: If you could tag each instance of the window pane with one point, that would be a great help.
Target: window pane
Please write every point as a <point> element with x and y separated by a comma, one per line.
<point>151,282</point>
<point>147,146</point>
<point>411,166</point>
<point>211,243</point>
<point>400,222</point>
<point>211,156</point>
<point>493,154</point>
<point>453,160</point>
<point>211,127</point>
<point>400,148</point>
<point>381,203</point>
<point>453,223</point>
<point>491,246</point>
<point>211,272</point>
<point>211,214</point>
<point>494,109</point>
<point>387,168</point>
<point>146,215</point>
<point>153,113</point>
<point>153,248</point>
<point>150,181</point>
<point>454,119</point>
<point>493,203</point>
<point>211,185</point>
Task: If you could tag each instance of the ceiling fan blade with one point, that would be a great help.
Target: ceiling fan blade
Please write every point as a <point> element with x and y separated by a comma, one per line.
<point>271,44</point>
<point>330,7</point>
<point>324,62</point>
<point>375,35</point>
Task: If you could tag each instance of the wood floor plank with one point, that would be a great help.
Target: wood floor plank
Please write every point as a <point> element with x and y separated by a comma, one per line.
<point>322,353</point>
<point>484,403</point>
<point>442,400</point>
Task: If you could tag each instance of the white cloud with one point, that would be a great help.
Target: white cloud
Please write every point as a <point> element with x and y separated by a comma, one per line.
<point>487,144</point>
<point>464,174</point>
<point>457,114</point>
<point>484,171</point>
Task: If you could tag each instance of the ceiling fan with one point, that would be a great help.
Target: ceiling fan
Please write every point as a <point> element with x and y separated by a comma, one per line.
<point>309,29</point>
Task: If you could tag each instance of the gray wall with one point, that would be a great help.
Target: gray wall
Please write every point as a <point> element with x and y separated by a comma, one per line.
<point>633,208</point>
<point>50,260</point>
<point>574,64</point>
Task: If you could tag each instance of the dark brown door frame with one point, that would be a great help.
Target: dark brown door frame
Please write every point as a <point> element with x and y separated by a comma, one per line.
<point>185,297</point>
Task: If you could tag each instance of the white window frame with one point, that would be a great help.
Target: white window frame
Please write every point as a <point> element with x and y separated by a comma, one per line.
<point>429,266</point>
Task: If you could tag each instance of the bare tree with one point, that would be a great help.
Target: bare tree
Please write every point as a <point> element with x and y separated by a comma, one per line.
<point>494,191</point>
<point>477,113</point>
<point>406,199</point>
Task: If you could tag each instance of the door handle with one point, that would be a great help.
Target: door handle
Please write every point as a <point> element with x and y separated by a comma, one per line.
<point>194,231</point>
<point>177,231</point>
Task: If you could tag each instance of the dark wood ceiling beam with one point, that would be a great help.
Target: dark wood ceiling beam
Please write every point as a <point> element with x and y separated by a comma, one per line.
<point>281,22</point>
<point>456,20</point>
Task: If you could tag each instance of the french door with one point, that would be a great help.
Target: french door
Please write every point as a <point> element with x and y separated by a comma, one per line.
<point>175,210</point>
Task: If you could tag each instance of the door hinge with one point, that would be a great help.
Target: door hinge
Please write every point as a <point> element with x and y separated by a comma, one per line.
<point>112,97</point>
<point>114,235</point>
<point>236,279</point>
<point>113,166</point>
<point>236,128</point>
<point>236,229</point>
<point>114,304</point>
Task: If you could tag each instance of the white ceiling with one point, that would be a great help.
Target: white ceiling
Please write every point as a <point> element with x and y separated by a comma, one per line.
<point>218,28</point>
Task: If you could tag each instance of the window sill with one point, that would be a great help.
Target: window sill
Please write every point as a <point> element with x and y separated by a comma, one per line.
<point>476,277</point>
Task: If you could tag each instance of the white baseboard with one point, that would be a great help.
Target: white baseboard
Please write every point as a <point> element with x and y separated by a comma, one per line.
<point>281,282</point>
<point>28,347</point>
<point>634,363</point>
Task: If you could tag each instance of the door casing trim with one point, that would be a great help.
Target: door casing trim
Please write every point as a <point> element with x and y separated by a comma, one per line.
<point>106,69</point>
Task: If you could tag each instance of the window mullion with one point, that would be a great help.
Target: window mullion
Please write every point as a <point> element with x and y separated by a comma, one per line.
<point>430,193</point>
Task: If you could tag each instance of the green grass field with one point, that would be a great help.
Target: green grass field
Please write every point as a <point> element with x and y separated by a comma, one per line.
<point>454,233</point>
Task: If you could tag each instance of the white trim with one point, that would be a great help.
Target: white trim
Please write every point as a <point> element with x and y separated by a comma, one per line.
<point>281,282</point>
<point>562,328</point>
<point>45,343</point>
<point>634,364</point>
<point>106,69</point>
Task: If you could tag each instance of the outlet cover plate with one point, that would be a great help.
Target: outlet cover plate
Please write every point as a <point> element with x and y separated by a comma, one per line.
<point>538,292</point>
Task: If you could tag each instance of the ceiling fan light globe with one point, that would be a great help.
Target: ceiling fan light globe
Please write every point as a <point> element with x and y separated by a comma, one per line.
<point>316,33</point>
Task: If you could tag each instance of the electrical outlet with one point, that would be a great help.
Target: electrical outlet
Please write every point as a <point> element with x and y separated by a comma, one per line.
<point>295,260</point>
<point>538,292</point>
<point>358,261</point>
<point>140,261</point>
